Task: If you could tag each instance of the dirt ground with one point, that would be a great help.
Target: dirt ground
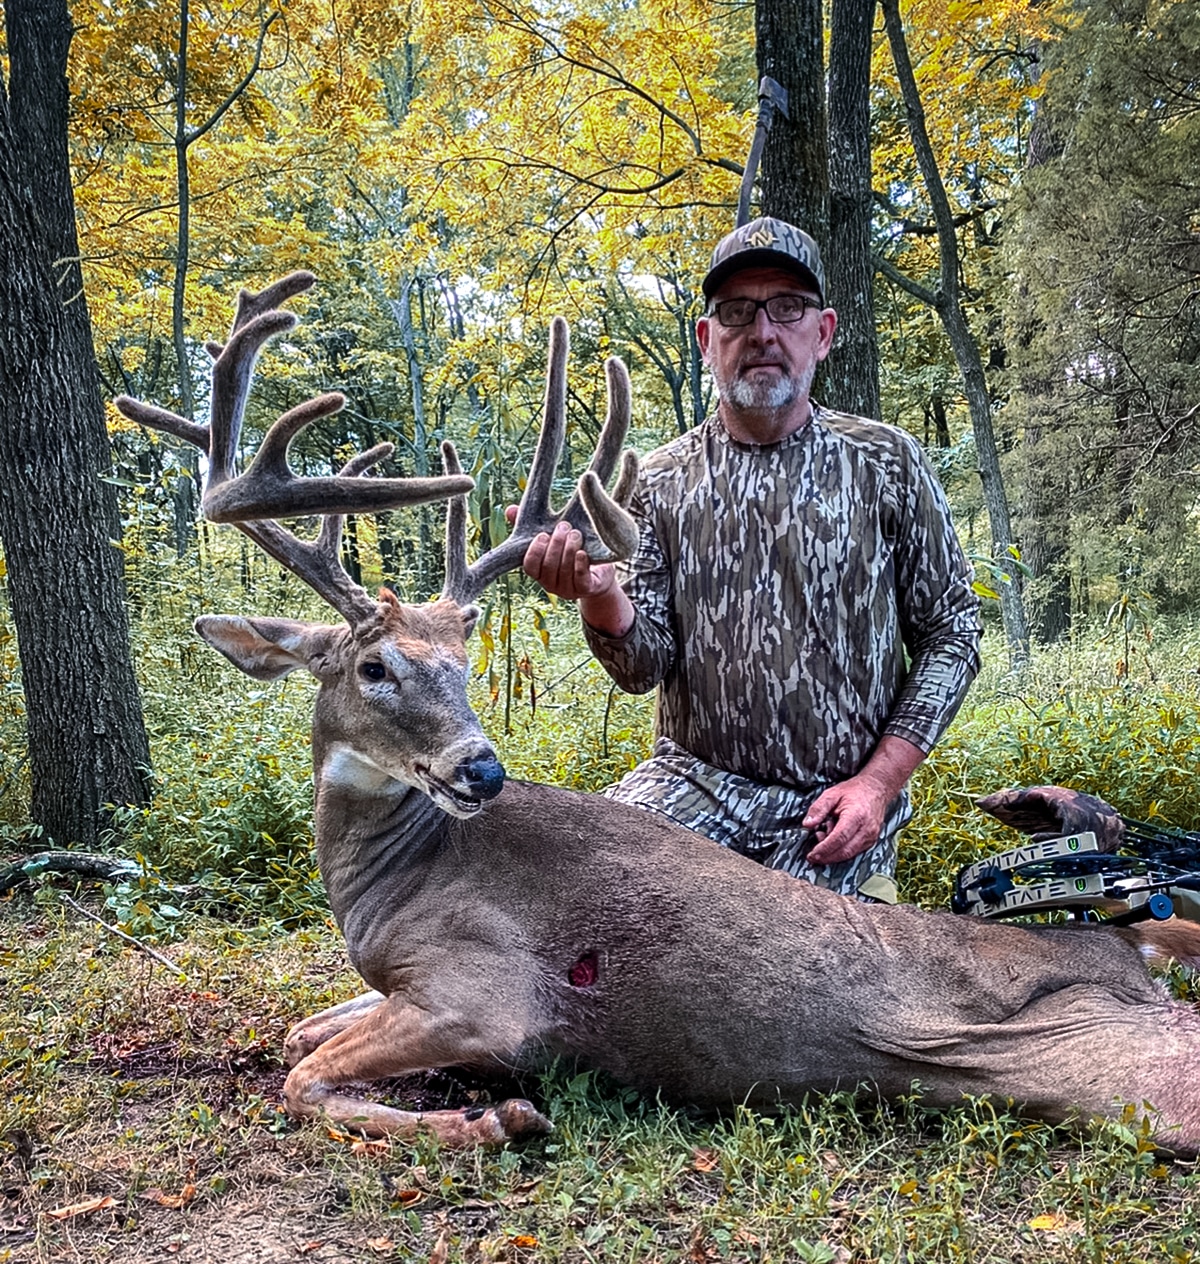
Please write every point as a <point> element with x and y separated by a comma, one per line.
<point>141,1116</point>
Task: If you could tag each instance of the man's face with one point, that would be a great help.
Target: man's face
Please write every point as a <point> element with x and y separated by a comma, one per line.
<point>763,367</point>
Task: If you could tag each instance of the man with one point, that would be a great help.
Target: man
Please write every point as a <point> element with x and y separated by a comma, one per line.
<point>789,558</point>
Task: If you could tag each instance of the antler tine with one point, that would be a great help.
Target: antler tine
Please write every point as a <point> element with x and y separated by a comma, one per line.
<point>457,584</point>
<point>608,530</point>
<point>269,489</point>
<point>535,504</point>
<point>160,419</point>
<point>232,372</point>
<point>616,423</point>
<point>250,305</point>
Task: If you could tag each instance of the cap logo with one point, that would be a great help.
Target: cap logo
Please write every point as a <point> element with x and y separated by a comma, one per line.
<point>761,237</point>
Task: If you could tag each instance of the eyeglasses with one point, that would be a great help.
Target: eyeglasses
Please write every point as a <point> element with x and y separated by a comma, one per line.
<point>783,309</point>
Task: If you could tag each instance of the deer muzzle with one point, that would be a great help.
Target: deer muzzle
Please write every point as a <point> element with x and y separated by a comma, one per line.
<point>464,786</point>
<point>484,774</point>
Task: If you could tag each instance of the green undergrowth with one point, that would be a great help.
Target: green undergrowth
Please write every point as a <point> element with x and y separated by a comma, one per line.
<point>122,1080</point>
<point>232,806</point>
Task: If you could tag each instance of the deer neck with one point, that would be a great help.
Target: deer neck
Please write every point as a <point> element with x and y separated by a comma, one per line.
<point>373,835</point>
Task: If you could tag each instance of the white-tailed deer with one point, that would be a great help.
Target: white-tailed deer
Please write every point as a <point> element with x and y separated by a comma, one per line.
<point>502,924</point>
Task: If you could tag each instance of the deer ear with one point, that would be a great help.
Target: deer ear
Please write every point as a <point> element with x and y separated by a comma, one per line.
<point>266,648</point>
<point>470,616</point>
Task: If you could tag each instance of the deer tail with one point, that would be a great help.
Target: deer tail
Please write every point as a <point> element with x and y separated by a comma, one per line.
<point>1161,942</point>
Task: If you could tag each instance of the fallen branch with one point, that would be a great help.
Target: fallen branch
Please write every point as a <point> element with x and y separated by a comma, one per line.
<point>84,863</point>
<point>129,939</point>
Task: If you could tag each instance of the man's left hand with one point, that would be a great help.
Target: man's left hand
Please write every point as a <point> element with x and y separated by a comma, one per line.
<point>846,819</point>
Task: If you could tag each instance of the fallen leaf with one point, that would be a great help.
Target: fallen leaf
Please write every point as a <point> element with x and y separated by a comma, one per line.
<point>369,1148</point>
<point>1052,1222</point>
<point>705,1160</point>
<point>185,1196</point>
<point>908,1188</point>
<point>308,1247</point>
<point>81,1209</point>
<point>525,1241</point>
<point>441,1248</point>
<point>380,1244</point>
<point>698,1251</point>
<point>407,1197</point>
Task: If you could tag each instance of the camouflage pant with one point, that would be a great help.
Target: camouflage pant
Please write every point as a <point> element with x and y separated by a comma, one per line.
<point>756,820</point>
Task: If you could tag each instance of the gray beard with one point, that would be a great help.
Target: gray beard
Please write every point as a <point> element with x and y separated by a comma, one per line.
<point>762,397</point>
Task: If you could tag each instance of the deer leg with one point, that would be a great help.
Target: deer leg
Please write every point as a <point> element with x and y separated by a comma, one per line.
<point>1077,1051</point>
<point>394,1038</point>
<point>306,1035</point>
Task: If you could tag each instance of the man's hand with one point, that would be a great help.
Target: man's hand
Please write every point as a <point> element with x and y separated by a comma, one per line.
<point>559,563</point>
<point>847,817</point>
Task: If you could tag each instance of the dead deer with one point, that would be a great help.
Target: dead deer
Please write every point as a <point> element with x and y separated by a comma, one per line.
<point>502,924</point>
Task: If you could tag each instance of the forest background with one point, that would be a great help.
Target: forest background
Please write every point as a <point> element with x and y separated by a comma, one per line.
<point>1021,177</point>
<point>455,174</point>
<point>1024,178</point>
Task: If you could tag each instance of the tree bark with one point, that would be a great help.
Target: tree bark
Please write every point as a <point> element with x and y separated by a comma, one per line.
<point>183,238</point>
<point>948,303</point>
<point>58,519</point>
<point>852,371</point>
<point>1045,518</point>
<point>789,36</point>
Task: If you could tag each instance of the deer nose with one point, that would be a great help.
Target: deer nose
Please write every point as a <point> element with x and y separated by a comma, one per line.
<point>484,774</point>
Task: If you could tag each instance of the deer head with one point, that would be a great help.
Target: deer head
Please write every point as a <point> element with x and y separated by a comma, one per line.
<point>392,705</point>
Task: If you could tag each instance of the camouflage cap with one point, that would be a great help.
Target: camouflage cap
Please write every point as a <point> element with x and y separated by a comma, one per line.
<point>766,243</point>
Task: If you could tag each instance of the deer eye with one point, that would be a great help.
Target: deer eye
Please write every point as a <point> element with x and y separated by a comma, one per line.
<point>372,671</point>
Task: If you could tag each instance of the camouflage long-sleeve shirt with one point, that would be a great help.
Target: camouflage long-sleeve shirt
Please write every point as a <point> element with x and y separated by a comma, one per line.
<point>777,592</point>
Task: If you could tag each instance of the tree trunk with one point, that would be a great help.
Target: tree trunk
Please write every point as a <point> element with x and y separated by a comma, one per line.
<point>935,413</point>
<point>852,371</point>
<point>947,301</point>
<point>1045,518</point>
<point>789,36</point>
<point>87,741</point>
<point>183,238</point>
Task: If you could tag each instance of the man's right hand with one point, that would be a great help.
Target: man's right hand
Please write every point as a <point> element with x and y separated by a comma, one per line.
<point>558,562</point>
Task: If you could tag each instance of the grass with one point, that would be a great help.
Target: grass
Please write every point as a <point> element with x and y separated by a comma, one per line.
<point>123,1081</point>
<point>154,1096</point>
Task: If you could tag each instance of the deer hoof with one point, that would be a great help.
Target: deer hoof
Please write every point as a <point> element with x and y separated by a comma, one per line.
<point>296,1047</point>
<point>517,1118</point>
